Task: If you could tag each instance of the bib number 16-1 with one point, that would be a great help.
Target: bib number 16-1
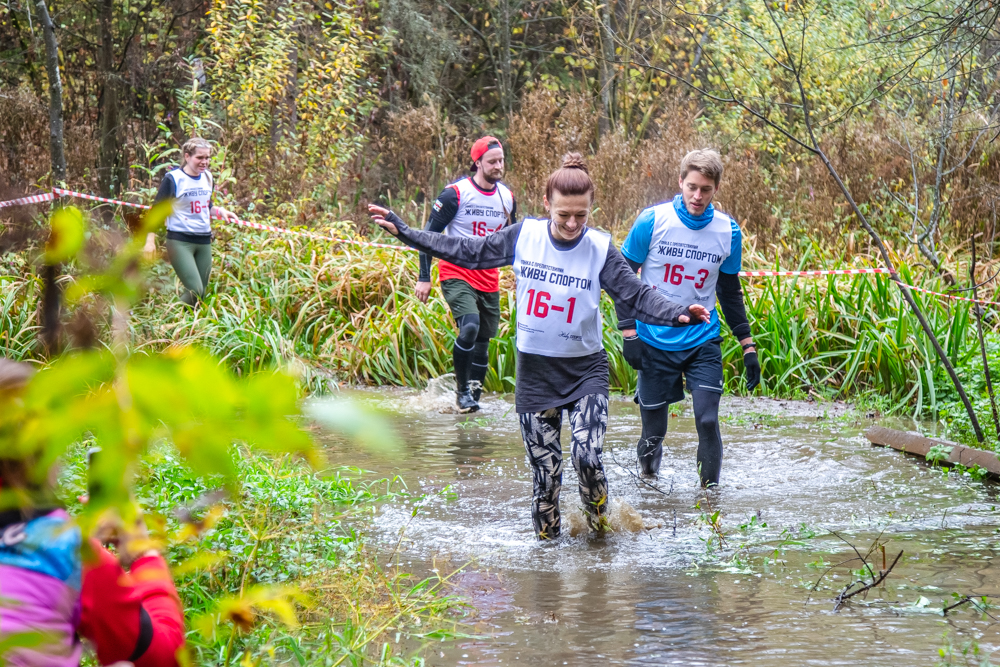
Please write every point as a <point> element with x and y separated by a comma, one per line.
<point>540,305</point>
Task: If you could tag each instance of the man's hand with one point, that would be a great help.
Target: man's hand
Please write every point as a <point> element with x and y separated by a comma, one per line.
<point>131,543</point>
<point>224,214</point>
<point>422,291</point>
<point>149,250</point>
<point>632,349</point>
<point>378,217</point>
<point>699,314</point>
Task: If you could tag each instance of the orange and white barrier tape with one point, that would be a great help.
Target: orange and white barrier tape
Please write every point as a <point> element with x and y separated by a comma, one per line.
<point>810,274</point>
<point>319,237</point>
<point>950,296</point>
<point>71,193</point>
<point>34,199</point>
<point>62,192</point>
<point>253,225</point>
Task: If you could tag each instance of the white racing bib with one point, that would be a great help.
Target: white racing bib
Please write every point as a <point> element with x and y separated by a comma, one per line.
<point>479,213</point>
<point>558,292</point>
<point>192,206</point>
<point>683,264</point>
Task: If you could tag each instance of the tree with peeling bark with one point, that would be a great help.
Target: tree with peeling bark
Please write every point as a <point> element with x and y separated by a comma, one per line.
<point>56,136</point>
<point>790,43</point>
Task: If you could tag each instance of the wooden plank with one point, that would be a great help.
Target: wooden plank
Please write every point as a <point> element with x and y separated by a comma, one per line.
<point>910,442</point>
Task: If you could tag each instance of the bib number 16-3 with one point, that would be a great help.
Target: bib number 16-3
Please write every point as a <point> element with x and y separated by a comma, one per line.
<point>674,274</point>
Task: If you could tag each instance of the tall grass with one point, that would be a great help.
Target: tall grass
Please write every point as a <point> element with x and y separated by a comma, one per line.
<point>291,528</point>
<point>340,313</point>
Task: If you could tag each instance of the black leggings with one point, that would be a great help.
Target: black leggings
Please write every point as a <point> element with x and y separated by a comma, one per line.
<point>471,353</point>
<point>588,421</point>
<point>706,421</point>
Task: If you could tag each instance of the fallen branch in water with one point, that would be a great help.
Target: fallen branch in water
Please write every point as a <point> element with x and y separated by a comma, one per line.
<point>638,478</point>
<point>844,595</point>
<point>964,600</point>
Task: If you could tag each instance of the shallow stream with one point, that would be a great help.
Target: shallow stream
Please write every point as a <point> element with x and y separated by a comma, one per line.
<point>670,593</point>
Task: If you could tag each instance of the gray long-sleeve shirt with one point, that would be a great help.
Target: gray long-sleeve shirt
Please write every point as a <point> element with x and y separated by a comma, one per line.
<point>545,382</point>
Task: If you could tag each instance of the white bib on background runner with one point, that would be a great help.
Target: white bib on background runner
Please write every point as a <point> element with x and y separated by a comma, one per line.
<point>479,213</point>
<point>192,208</point>
<point>558,292</point>
<point>683,264</point>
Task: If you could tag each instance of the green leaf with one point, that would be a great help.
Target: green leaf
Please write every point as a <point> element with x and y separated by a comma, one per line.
<point>347,418</point>
<point>66,235</point>
<point>154,219</point>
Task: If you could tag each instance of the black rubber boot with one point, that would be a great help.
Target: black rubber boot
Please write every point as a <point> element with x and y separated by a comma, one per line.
<point>465,402</point>
<point>650,452</point>
<point>463,365</point>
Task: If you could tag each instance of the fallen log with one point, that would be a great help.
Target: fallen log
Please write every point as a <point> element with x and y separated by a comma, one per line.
<point>911,442</point>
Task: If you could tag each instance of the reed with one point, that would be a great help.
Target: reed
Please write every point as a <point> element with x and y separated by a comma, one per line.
<point>347,314</point>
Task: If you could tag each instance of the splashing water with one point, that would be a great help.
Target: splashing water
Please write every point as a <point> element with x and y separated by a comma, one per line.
<point>622,518</point>
<point>439,396</point>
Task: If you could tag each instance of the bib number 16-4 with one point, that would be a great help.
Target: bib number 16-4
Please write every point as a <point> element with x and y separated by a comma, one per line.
<point>540,305</point>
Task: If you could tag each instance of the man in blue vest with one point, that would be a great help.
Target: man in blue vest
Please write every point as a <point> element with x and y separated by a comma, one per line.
<point>691,253</point>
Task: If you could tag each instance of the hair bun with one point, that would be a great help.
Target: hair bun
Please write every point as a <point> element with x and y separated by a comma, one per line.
<point>575,161</point>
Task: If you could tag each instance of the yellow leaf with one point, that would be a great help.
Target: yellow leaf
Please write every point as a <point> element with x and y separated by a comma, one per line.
<point>65,236</point>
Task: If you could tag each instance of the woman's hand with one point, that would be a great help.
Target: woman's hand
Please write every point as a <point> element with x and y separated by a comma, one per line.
<point>149,250</point>
<point>378,217</point>
<point>699,314</point>
<point>224,214</point>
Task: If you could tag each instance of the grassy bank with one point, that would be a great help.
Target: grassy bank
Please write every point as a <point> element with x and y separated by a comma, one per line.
<point>281,573</point>
<point>347,314</point>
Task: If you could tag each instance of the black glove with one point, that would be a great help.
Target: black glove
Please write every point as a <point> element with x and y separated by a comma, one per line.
<point>632,349</point>
<point>751,365</point>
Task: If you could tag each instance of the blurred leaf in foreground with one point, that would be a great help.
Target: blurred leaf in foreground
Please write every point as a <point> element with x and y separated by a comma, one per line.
<point>351,420</point>
<point>66,235</point>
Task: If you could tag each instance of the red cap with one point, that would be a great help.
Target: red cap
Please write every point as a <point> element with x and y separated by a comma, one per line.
<point>482,145</point>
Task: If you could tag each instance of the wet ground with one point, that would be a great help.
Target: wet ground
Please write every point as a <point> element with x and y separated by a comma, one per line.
<point>800,486</point>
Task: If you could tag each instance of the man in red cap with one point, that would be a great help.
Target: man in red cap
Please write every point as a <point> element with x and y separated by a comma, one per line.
<point>474,206</point>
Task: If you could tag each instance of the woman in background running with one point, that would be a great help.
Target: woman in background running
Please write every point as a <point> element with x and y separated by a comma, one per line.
<point>561,266</point>
<point>189,227</point>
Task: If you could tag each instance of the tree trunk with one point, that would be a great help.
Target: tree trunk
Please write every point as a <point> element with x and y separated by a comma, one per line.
<point>56,140</point>
<point>50,311</point>
<point>108,151</point>
<point>606,72</point>
<point>506,82</point>
<point>903,289</point>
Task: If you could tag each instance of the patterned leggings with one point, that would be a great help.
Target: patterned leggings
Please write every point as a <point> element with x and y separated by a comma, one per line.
<point>588,419</point>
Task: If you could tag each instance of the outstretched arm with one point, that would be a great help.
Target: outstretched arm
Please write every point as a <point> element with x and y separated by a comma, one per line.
<point>636,300</point>
<point>489,252</point>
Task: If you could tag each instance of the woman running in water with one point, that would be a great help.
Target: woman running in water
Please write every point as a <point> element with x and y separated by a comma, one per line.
<point>561,266</point>
<point>189,228</point>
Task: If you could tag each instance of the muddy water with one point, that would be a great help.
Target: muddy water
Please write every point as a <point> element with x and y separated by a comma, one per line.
<point>669,593</point>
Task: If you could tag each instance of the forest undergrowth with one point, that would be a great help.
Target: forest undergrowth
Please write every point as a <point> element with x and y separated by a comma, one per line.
<point>339,314</point>
<point>283,573</point>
